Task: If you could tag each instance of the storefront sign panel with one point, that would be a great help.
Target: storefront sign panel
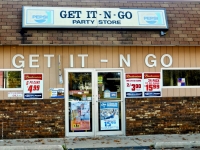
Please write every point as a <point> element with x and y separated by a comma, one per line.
<point>33,86</point>
<point>72,17</point>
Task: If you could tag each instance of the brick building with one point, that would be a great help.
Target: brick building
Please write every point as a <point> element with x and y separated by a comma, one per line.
<point>89,64</point>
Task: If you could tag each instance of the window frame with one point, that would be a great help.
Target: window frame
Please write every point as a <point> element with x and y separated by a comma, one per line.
<point>179,87</point>
<point>12,89</point>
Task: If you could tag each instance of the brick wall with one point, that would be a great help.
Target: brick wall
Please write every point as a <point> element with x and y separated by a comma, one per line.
<point>177,115</point>
<point>45,118</point>
<point>32,118</point>
<point>183,19</point>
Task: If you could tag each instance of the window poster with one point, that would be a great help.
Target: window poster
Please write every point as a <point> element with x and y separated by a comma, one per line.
<point>152,84</point>
<point>57,92</point>
<point>181,82</point>
<point>33,86</point>
<point>80,115</point>
<point>133,85</point>
<point>109,116</point>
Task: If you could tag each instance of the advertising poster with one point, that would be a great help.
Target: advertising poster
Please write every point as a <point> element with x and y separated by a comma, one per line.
<point>57,92</point>
<point>133,85</point>
<point>152,84</point>
<point>33,86</point>
<point>80,115</point>
<point>109,116</point>
<point>181,82</point>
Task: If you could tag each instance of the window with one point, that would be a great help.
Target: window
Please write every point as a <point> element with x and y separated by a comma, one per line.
<point>11,79</point>
<point>181,77</point>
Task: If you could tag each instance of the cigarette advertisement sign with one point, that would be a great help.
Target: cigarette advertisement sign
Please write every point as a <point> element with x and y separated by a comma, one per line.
<point>109,116</point>
<point>33,86</point>
<point>133,85</point>
<point>152,85</point>
<point>80,115</point>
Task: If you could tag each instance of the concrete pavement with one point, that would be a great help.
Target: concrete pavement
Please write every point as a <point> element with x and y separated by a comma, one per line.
<point>182,141</point>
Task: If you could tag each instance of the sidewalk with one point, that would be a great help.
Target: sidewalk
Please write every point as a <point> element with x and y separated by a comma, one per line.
<point>182,141</point>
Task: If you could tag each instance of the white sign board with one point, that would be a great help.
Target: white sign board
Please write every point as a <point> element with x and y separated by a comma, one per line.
<point>33,86</point>
<point>72,17</point>
<point>133,85</point>
<point>15,94</point>
<point>152,84</point>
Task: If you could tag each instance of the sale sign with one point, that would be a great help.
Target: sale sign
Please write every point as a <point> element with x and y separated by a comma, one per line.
<point>152,84</point>
<point>33,86</point>
<point>133,85</point>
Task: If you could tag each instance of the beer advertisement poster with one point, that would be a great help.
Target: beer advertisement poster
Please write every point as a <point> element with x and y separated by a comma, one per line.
<point>133,85</point>
<point>152,84</point>
<point>33,86</point>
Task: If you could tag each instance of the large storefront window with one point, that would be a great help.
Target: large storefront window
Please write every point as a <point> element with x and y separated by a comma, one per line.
<point>181,77</point>
<point>10,79</point>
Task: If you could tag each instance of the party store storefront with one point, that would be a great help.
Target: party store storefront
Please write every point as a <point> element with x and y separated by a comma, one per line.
<point>88,71</point>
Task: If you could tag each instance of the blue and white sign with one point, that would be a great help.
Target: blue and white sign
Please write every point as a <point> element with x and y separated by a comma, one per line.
<point>72,17</point>
<point>109,115</point>
<point>57,92</point>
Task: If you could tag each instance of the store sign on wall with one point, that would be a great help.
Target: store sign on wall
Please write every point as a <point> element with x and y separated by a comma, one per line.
<point>150,60</point>
<point>15,94</point>
<point>133,85</point>
<point>152,84</point>
<point>57,92</point>
<point>72,17</point>
<point>142,85</point>
<point>33,86</point>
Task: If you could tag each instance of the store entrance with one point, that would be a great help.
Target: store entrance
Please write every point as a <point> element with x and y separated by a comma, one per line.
<point>94,102</point>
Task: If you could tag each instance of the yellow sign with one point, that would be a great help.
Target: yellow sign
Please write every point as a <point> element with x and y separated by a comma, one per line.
<point>100,79</point>
<point>76,125</point>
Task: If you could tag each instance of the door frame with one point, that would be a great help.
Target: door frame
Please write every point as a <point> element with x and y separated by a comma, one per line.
<point>95,124</point>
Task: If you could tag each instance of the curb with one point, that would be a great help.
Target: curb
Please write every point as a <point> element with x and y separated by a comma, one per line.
<point>114,148</point>
<point>190,144</point>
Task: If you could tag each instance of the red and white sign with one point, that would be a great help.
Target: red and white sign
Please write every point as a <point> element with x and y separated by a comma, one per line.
<point>152,84</point>
<point>33,86</point>
<point>133,85</point>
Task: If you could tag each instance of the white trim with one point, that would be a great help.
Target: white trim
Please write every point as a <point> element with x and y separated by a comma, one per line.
<point>95,125</point>
<point>13,89</point>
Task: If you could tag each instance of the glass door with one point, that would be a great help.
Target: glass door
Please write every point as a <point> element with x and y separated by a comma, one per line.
<point>79,103</point>
<point>110,102</point>
<point>94,103</point>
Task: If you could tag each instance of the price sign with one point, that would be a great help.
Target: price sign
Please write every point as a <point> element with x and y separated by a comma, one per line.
<point>133,85</point>
<point>33,86</point>
<point>152,85</point>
